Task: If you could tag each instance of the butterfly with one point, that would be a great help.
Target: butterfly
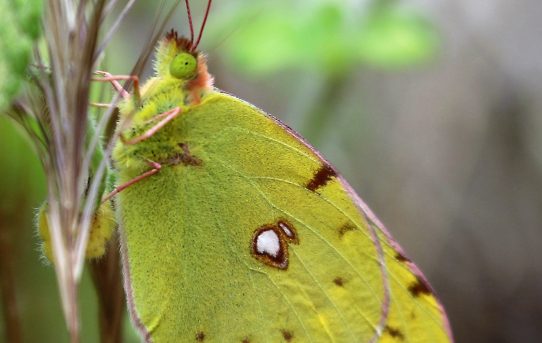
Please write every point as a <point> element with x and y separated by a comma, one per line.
<point>234,229</point>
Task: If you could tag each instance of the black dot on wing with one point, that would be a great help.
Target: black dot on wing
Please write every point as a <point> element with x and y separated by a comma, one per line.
<point>343,230</point>
<point>401,257</point>
<point>394,332</point>
<point>200,336</point>
<point>321,177</point>
<point>339,281</point>
<point>419,287</point>
<point>287,335</point>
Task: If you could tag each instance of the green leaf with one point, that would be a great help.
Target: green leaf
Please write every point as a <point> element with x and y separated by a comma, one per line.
<point>20,27</point>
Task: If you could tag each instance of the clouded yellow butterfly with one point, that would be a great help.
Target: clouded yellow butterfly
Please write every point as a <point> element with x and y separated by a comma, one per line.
<point>234,229</point>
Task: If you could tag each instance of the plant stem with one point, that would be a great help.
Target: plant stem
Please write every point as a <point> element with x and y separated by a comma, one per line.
<point>108,283</point>
<point>7,286</point>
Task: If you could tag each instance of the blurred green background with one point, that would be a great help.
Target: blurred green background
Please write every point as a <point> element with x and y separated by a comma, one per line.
<point>431,109</point>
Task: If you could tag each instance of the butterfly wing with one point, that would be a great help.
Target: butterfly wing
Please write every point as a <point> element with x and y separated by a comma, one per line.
<point>251,236</point>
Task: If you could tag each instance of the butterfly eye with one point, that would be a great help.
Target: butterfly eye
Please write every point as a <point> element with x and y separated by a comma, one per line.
<point>183,66</point>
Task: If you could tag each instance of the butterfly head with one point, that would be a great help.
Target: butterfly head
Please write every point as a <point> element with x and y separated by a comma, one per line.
<point>178,57</point>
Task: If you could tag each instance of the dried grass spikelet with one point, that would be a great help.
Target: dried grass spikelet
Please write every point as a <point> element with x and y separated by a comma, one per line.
<point>54,111</point>
<point>101,229</point>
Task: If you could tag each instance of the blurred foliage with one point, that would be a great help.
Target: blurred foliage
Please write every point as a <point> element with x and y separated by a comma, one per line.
<point>326,41</point>
<point>20,27</point>
<point>331,37</point>
<point>22,189</point>
<point>396,37</point>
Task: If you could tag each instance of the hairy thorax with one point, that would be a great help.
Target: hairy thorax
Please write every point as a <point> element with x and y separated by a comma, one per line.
<point>158,96</point>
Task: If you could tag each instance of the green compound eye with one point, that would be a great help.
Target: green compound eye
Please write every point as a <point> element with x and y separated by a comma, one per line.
<point>183,66</point>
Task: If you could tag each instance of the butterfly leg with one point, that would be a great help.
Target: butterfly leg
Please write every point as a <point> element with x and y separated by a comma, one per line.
<point>166,117</point>
<point>155,169</point>
<point>114,79</point>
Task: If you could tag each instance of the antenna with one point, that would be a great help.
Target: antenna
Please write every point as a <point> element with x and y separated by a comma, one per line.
<point>203,23</point>
<point>190,22</point>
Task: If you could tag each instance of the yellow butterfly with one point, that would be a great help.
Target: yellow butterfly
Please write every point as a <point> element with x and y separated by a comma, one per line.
<point>234,229</point>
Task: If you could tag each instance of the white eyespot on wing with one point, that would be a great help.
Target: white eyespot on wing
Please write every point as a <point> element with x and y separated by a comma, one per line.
<point>286,230</point>
<point>268,243</point>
